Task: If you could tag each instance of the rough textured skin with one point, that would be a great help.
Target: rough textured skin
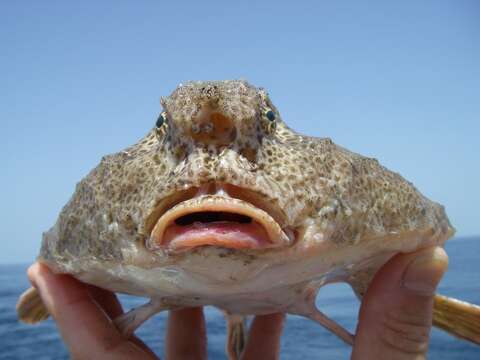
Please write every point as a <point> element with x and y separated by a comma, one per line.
<point>348,197</point>
<point>327,214</point>
<point>346,213</point>
<point>219,153</point>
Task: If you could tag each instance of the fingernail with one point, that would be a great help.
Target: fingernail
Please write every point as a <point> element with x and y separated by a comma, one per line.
<point>32,274</point>
<point>424,273</point>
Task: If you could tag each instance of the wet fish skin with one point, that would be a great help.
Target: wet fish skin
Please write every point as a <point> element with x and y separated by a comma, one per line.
<point>347,214</point>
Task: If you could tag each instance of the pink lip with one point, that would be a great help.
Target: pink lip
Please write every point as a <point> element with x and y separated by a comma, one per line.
<point>238,224</point>
<point>221,233</point>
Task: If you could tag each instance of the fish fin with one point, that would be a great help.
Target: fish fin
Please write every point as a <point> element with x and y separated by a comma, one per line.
<point>236,335</point>
<point>30,307</point>
<point>307,308</point>
<point>128,322</point>
<point>458,318</point>
<point>334,327</point>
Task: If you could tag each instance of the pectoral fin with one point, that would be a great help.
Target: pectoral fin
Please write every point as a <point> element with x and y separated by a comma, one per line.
<point>127,323</point>
<point>306,307</point>
<point>458,318</point>
<point>30,307</point>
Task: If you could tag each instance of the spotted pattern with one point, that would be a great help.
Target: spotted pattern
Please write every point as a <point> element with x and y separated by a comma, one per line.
<point>316,184</point>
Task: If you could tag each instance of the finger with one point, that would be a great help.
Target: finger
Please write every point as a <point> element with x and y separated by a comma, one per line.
<point>84,326</point>
<point>186,335</point>
<point>396,312</point>
<point>264,337</point>
<point>107,300</point>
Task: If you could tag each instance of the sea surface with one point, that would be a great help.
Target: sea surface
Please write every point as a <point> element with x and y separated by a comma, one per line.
<point>302,339</point>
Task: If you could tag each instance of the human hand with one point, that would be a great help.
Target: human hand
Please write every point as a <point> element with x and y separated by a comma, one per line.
<point>396,313</point>
<point>84,315</point>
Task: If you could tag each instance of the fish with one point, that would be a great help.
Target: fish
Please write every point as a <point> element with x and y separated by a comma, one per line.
<point>222,204</point>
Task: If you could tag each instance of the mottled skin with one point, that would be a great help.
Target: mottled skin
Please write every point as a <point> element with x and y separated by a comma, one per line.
<point>349,214</point>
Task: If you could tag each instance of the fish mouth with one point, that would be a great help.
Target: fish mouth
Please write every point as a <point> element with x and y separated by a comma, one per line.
<point>230,217</point>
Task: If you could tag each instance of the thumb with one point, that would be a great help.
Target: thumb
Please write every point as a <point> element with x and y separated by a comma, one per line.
<point>396,312</point>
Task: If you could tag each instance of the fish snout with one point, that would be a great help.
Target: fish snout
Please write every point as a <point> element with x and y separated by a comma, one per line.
<point>212,127</point>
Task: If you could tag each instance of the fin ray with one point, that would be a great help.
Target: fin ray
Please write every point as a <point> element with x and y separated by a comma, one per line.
<point>458,318</point>
<point>30,307</point>
<point>236,335</point>
<point>128,322</point>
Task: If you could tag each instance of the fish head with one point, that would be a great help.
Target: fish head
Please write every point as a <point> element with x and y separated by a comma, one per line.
<point>217,114</point>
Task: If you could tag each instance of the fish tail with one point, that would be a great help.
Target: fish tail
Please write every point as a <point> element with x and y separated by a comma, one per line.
<point>30,307</point>
<point>458,318</point>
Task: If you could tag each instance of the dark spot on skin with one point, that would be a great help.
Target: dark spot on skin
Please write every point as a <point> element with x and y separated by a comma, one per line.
<point>156,159</point>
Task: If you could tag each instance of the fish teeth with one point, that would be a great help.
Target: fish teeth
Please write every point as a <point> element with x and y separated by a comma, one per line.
<point>199,225</point>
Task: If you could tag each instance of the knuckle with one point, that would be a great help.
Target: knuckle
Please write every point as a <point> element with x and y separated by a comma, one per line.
<point>405,332</point>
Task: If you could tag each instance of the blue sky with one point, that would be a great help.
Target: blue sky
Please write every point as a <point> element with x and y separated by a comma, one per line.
<point>399,81</point>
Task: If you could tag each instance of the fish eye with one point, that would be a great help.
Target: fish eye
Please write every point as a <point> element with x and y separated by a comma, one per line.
<point>162,120</point>
<point>270,115</point>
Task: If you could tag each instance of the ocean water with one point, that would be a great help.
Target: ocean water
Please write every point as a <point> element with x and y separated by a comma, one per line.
<point>302,339</point>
